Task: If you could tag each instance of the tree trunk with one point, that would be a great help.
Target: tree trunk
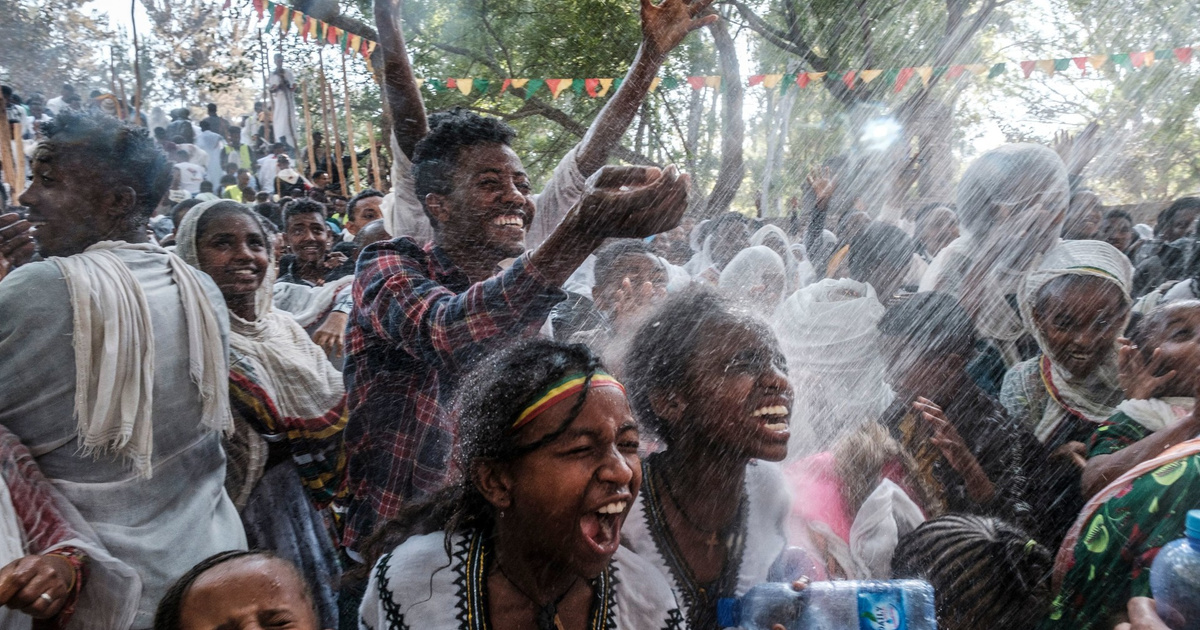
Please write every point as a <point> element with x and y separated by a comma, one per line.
<point>733,128</point>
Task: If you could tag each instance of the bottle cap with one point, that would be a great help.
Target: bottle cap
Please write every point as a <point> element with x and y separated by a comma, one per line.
<point>1193,524</point>
<point>729,609</point>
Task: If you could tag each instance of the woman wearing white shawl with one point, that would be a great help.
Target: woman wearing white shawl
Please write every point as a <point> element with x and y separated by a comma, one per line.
<point>755,278</point>
<point>289,403</point>
<point>828,333</point>
<point>774,237</point>
<point>1011,204</point>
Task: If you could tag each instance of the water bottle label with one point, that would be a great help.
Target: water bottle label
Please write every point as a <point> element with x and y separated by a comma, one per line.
<point>880,609</point>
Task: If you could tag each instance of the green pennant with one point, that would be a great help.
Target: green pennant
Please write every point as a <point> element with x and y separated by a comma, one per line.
<point>438,85</point>
<point>344,41</point>
<point>1163,55</point>
<point>533,86</point>
<point>617,83</point>
<point>786,83</point>
<point>997,70</point>
<point>480,85</point>
<point>1122,59</point>
<point>669,83</point>
<point>271,20</point>
<point>888,79</point>
<point>578,86</point>
<point>938,71</point>
<point>1061,65</point>
<point>833,77</point>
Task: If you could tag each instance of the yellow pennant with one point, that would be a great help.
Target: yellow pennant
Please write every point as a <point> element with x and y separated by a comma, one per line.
<point>420,82</point>
<point>286,22</point>
<point>352,43</point>
<point>559,87</point>
<point>1149,58</point>
<point>1045,65</point>
<point>816,76</point>
<point>771,80</point>
<point>977,68</point>
<point>925,72</point>
<point>712,82</point>
<point>465,85</point>
<point>605,84</point>
<point>654,83</point>
<point>1098,61</point>
<point>298,20</point>
<point>370,49</point>
<point>869,75</point>
<point>519,83</point>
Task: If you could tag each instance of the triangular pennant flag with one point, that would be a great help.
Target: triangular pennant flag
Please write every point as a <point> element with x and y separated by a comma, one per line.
<point>834,76</point>
<point>940,71</point>
<point>1184,55</point>
<point>258,8</point>
<point>276,13</point>
<point>955,71</point>
<point>285,22</point>
<point>1149,59</point>
<point>368,48</point>
<point>1027,67</point>
<point>817,76</point>
<point>1081,63</point>
<point>697,83</point>
<point>1138,59</point>
<point>1162,55</point>
<point>670,83</point>
<point>298,21</point>
<point>558,85</point>
<point>902,78</point>
<point>352,42</point>
<point>1061,65</point>
<point>755,79</point>
<point>420,82</point>
<point>848,78</point>
<point>481,85</point>
<point>976,68</point>
<point>925,72</point>
<point>1122,59</point>
<point>451,84</point>
<point>532,86</point>
<point>1047,66</point>
<point>592,87</point>
<point>308,24</point>
<point>889,76</point>
<point>712,82</point>
<point>802,80</point>
<point>343,40</point>
<point>465,85</point>
<point>504,86</point>
<point>435,85</point>
<point>769,81</point>
<point>653,84</point>
<point>332,34</point>
<point>605,86</point>
<point>1098,61</point>
<point>997,70</point>
<point>520,83</point>
<point>578,86</point>
<point>868,76</point>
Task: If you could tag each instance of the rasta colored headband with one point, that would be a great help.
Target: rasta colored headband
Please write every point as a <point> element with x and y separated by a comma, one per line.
<point>569,386</point>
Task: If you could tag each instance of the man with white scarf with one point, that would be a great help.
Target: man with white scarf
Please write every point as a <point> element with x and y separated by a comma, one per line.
<point>115,356</point>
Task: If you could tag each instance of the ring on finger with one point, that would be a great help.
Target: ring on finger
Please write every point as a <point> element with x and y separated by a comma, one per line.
<point>45,597</point>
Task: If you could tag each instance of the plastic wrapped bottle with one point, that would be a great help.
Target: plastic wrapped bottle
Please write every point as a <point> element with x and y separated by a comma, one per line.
<point>842,605</point>
<point>1175,578</point>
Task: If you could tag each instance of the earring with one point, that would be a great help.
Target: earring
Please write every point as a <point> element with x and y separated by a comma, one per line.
<point>501,513</point>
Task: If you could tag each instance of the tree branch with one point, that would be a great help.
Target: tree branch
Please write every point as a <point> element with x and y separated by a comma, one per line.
<point>789,40</point>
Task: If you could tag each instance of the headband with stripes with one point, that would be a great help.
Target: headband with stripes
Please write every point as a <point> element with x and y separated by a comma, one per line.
<point>565,388</point>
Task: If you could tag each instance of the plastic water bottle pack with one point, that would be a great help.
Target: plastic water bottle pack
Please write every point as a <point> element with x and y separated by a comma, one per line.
<point>1175,578</point>
<point>842,605</point>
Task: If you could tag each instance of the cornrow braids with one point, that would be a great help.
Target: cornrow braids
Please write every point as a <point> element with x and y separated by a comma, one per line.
<point>169,614</point>
<point>984,571</point>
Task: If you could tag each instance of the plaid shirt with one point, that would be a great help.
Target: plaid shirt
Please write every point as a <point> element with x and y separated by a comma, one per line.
<point>417,323</point>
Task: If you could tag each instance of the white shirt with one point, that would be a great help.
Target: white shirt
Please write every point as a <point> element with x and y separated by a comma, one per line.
<point>268,168</point>
<point>190,176</point>
<point>56,105</point>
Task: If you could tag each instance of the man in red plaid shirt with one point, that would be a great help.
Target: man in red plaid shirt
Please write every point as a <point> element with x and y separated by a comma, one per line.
<point>423,312</point>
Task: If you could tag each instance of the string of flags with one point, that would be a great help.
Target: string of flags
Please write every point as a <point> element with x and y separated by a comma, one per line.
<point>309,27</point>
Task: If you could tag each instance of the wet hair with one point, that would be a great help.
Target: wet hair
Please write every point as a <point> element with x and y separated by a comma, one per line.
<point>365,194</point>
<point>204,126</point>
<point>169,614</point>
<point>123,154</point>
<point>211,107</point>
<point>271,212</point>
<point>1118,214</point>
<point>1150,325</point>
<point>228,180</point>
<point>865,455</point>
<point>234,130</point>
<point>980,568</point>
<point>206,186</point>
<point>664,346</point>
<point>1167,216</point>
<point>436,156</point>
<point>297,207</point>
<point>878,247</point>
<point>487,402</point>
<point>179,210</point>
<point>933,321</point>
<point>609,255</point>
<point>317,174</point>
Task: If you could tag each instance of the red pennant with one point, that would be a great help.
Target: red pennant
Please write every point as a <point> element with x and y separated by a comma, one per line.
<point>304,28</point>
<point>1138,59</point>
<point>258,7</point>
<point>802,80</point>
<point>697,83</point>
<point>755,79</point>
<point>331,34</point>
<point>1080,62</point>
<point>848,79</point>
<point>592,86</point>
<point>1027,67</point>
<point>364,49</point>
<point>507,82</point>
<point>553,84</point>
<point>226,6</point>
<point>955,71</point>
<point>1184,55</point>
<point>452,84</point>
<point>902,78</point>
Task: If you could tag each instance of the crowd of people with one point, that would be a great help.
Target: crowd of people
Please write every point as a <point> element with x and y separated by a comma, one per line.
<point>232,398</point>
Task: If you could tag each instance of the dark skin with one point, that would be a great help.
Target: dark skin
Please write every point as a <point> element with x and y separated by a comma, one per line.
<point>1116,231</point>
<point>308,237</point>
<point>637,281</point>
<point>1083,217</point>
<point>713,434</point>
<point>23,581</point>
<point>1080,318</point>
<point>1171,370</point>
<point>250,593</point>
<point>936,229</point>
<point>539,534</point>
<point>235,252</point>
<point>1180,225</point>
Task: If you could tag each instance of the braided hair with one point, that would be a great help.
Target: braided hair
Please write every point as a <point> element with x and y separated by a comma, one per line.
<point>984,571</point>
<point>487,403</point>
<point>169,614</point>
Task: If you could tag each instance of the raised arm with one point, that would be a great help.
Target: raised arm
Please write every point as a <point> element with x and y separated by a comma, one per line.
<point>399,85</point>
<point>663,28</point>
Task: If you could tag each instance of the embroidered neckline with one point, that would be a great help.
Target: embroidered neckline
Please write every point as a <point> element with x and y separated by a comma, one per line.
<point>472,562</point>
<point>700,599</point>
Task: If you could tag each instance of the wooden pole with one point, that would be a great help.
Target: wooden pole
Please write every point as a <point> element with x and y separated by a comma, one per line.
<point>20,160</point>
<point>325,117</point>
<point>350,128</point>
<point>308,129</point>
<point>137,64</point>
<point>374,156</point>
<point>6,155</point>
<point>337,143</point>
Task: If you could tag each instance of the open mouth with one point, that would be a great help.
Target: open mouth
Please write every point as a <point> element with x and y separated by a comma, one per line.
<point>773,417</point>
<point>244,273</point>
<point>602,528</point>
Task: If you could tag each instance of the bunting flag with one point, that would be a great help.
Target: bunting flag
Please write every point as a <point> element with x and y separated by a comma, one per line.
<point>771,80</point>
<point>870,75</point>
<point>902,78</point>
<point>925,73</point>
<point>308,27</point>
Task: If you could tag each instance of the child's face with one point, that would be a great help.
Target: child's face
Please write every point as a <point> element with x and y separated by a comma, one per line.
<point>252,592</point>
<point>738,373</point>
<point>1080,318</point>
<point>1177,339</point>
<point>913,370</point>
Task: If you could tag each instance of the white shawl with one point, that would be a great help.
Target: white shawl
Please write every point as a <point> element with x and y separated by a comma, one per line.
<point>114,351</point>
<point>1157,414</point>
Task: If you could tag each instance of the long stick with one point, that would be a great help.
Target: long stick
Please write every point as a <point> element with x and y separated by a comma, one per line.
<point>6,156</point>
<point>374,156</point>
<point>349,127</point>
<point>20,159</point>
<point>337,143</point>
<point>312,160</point>
<point>137,63</point>
<point>325,117</point>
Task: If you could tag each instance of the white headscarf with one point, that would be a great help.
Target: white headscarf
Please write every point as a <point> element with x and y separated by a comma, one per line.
<point>113,338</point>
<point>790,263</point>
<point>755,269</point>
<point>828,332</point>
<point>1089,394</point>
